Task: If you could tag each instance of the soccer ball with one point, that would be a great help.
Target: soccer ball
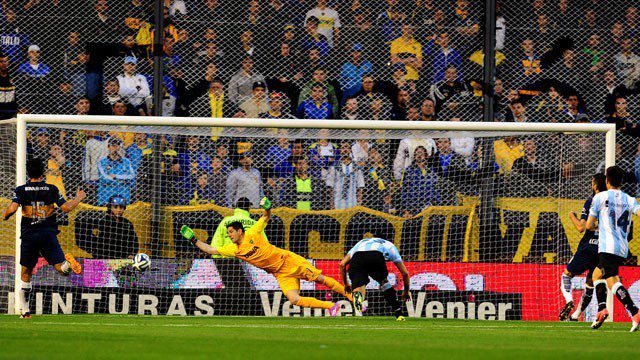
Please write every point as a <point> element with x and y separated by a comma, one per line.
<point>141,262</point>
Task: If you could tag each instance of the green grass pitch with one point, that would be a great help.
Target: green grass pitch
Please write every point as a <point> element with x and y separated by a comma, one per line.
<point>73,337</point>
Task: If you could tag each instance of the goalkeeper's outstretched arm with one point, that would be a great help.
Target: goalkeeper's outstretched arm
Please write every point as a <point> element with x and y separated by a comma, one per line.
<point>188,234</point>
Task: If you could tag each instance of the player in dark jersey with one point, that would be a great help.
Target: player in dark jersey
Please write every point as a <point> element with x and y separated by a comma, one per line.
<point>39,228</point>
<point>585,258</point>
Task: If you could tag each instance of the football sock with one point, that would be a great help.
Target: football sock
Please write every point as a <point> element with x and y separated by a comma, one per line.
<point>625,298</point>
<point>314,303</point>
<point>565,287</point>
<point>25,296</point>
<point>392,300</point>
<point>335,286</point>
<point>601,294</point>
<point>585,300</point>
<point>66,268</point>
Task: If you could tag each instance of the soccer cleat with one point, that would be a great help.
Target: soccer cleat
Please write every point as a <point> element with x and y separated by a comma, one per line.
<point>358,301</point>
<point>334,310</point>
<point>601,316</point>
<point>635,322</point>
<point>75,265</point>
<point>566,310</point>
<point>26,315</point>
<point>401,318</point>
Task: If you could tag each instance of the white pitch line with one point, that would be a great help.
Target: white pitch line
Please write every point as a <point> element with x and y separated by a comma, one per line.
<point>316,327</point>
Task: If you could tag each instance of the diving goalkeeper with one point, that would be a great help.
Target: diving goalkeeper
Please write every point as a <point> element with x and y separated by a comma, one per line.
<point>288,268</point>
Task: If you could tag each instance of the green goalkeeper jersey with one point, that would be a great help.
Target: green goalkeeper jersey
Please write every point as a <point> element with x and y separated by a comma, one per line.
<point>220,238</point>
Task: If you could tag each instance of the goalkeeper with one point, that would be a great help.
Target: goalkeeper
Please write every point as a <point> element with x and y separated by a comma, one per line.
<point>287,267</point>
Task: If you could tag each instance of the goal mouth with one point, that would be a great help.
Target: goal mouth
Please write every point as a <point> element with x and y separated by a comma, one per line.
<point>466,204</point>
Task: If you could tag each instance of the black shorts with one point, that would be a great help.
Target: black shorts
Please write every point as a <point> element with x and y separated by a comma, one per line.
<point>365,264</point>
<point>609,264</point>
<point>40,242</point>
<point>583,260</point>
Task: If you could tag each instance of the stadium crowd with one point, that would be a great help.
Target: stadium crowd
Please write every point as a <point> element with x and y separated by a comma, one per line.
<point>407,60</point>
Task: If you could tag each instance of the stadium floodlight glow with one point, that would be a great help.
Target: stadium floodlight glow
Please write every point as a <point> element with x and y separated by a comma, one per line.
<point>349,130</point>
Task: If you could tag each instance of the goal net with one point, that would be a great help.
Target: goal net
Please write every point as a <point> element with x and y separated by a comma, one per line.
<point>479,211</point>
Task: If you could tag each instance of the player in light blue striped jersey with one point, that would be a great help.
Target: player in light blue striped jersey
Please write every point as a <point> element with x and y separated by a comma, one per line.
<point>368,258</point>
<point>612,209</point>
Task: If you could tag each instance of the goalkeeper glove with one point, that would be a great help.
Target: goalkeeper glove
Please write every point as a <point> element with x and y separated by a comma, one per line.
<point>265,203</point>
<point>188,234</point>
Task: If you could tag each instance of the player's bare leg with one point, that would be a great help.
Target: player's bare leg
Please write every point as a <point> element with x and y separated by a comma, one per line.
<point>565,288</point>
<point>295,299</point>
<point>24,294</point>
<point>334,285</point>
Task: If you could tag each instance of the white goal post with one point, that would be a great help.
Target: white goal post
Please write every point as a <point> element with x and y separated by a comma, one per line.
<point>25,120</point>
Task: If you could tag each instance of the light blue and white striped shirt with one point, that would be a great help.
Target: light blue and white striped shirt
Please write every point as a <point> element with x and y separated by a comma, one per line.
<point>613,209</point>
<point>387,248</point>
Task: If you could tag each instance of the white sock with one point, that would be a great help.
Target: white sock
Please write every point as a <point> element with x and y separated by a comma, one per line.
<point>565,288</point>
<point>24,294</point>
<point>66,267</point>
<point>576,314</point>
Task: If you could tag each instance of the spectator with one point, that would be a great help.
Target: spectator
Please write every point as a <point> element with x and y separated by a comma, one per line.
<point>345,180</point>
<point>112,236</point>
<point>378,181</point>
<point>418,186</point>
<point>406,152</point>
<point>320,77</point>
<point>329,21</point>
<point>192,159</point>
<point>620,115</point>
<point>408,51</point>
<point>516,112</point>
<point>40,147</point>
<point>389,21</point>
<point>316,107</point>
<point>257,104</point>
<point>34,68</point>
<point>400,107</point>
<point>428,110</point>
<point>443,58</point>
<point>133,86</point>
<point>286,167</point>
<point>506,151</point>
<point>466,25</point>
<point>13,41</point>
<point>361,31</point>
<point>350,110</point>
<point>322,154</point>
<point>300,190</point>
<point>312,38</point>
<point>609,90</point>
<point>352,72</point>
<point>95,149</point>
<point>360,151</point>
<point>627,64</point>
<point>115,173</point>
<point>8,103</point>
<point>142,147</point>
<point>199,192</point>
<point>277,153</point>
<point>101,24</point>
<point>276,105</point>
<point>532,167</point>
<point>449,164</point>
<point>286,72</point>
<point>56,166</point>
<point>241,84</point>
<point>448,90</point>
<point>245,48</point>
<point>120,108</point>
<point>529,68</point>
<point>245,181</point>
<point>573,112</point>
<point>218,180</point>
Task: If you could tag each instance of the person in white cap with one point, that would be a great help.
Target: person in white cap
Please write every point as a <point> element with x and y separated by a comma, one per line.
<point>134,87</point>
<point>33,68</point>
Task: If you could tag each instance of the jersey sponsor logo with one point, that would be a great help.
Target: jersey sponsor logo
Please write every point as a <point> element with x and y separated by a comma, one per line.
<point>251,252</point>
<point>36,188</point>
